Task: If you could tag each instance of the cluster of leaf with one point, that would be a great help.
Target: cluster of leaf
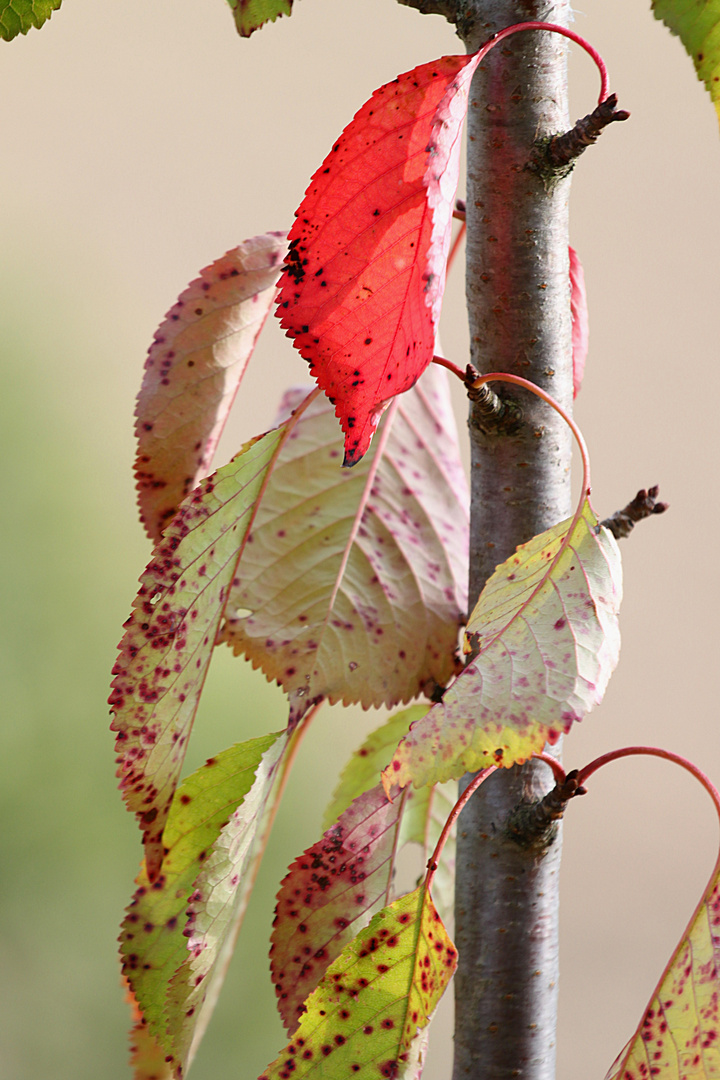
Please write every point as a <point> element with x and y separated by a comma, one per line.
<point>347,586</point>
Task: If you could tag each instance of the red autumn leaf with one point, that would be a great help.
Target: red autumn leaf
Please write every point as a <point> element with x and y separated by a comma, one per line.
<point>363,281</point>
<point>579,309</point>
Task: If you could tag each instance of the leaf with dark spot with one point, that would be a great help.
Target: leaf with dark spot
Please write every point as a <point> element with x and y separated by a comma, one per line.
<point>376,996</point>
<point>193,370</point>
<point>170,635</point>
<point>372,236</point>
<point>697,24</point>
<point>546,632</point>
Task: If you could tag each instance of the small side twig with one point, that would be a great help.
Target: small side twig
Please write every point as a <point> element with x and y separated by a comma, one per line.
<point>622,522</point>
<point>564,149</point>
<point>492,413</point>
<point>530,821</point>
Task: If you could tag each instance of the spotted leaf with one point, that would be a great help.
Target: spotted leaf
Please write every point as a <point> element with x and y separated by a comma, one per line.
<point>697,24</point>
<point>194,367</point>
<point>215,909</point>
<point>250,15</point>
<point>19,16</point>
<point>329,893</point>
<point>169,637</point>
<point>352,584</point>
<point>153,940</point>
<point>364,278</point>
<point>546,632</point>
<point>364,1017</point>
<point>678,1038</point>
<point>580,330</point>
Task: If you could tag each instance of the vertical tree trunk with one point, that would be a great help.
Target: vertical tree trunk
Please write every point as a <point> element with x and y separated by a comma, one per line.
<point>519,313</point>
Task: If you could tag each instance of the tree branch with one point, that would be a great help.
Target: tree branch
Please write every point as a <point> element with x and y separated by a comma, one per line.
<point>645,504</point>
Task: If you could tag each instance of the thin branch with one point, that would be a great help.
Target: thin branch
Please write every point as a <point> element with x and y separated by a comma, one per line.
<point>561,150</point>
<point>530,822</point>
<point>622,522</point>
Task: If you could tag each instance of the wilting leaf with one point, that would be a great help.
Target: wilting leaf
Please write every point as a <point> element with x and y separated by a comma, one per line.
<point>546,631</point>
<point>352,584</point>
<point>364,278</point>
<point>19,16</point>
<point>171,633</point>
<point>382,989</point>
<point>250,15</point>
<point>697,24</point>
<point>153,944</point>
<point>426,810</point>
<point>679,1035</point>
<point>216,905</point>
<point>579,308</point>
<point>329,893</point>
<point>194,367</point>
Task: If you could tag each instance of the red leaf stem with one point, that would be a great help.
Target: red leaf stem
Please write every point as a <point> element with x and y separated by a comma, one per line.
<point>467,794</point>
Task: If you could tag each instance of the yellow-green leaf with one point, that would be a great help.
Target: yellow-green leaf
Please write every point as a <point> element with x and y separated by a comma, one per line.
<point>697,24</point>
<point>678,1038</point>
<point>250,15</point>
<point>363,1018</point>
<point>153,943</point>
<point>170,635</point>
<point>546,632</point>
<point>19,16</point>
<point>353,582</point>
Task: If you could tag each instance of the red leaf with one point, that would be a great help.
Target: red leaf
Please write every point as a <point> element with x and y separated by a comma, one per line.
<point>363,281</point>
<point>579,309</point>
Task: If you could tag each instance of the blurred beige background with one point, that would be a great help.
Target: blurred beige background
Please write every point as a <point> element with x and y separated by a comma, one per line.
<point>140,141</point>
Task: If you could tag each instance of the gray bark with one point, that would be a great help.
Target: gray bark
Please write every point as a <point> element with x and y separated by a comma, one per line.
<point>518,305</point>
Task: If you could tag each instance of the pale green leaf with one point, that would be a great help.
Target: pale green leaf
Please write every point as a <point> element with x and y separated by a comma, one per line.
<point>353,585</point>
<point>363,1018</point>
<point>192,372</point>
<point>250,15</point>
<point>678,1038</point>
<point>216,907</point>
<point>697,24</point>
<point>19,16</point>
<point>546,632</point>
<point>153,945</point>
<point>169,637</point>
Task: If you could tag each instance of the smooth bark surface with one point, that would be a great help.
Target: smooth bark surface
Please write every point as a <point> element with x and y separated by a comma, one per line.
<point>519,313</point>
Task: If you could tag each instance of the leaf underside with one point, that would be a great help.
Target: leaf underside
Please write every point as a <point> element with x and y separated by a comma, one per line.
<point>363,1018</point>
<point>697,24</point>
<point>170,636</point>
<point>352,583</point>
<point>679,1035</point>
<point>193,370</point>
<point>19,16</point>
<point>250,15</point>
<point>364,278</point>
<point>229,789</point>
<point>546,631</point>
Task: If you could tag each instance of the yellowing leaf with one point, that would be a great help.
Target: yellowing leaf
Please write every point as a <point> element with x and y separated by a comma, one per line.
<point>364,1017</point>
<point>153,944</point>
<point>194,367</point>
<point>546,631</point>
<point>216,906</point>
<point>352,584</point>
<point>697,24</point>
<point>170,635</point>
<point>679,1035</point>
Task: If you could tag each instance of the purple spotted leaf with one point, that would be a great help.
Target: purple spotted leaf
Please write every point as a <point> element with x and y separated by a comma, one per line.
<point>153,942</point>
<point>352,585</point>
<point>364,1017</point>
<point>678,1037</point>
<point>329,893</point>
<point>546,633</point>
<point>170,635</point>
<point>426,809</point>
<point>364,278</point>
<point>193,370</point>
